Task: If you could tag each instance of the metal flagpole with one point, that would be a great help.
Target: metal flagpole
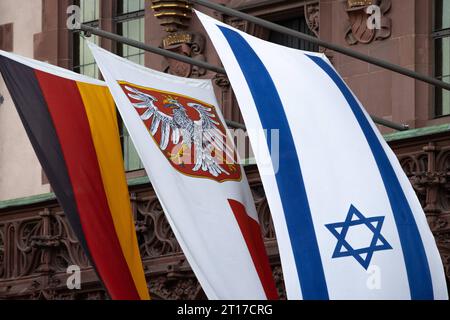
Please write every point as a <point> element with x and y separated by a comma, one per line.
<point>88,30</point>
<point>352,53</point>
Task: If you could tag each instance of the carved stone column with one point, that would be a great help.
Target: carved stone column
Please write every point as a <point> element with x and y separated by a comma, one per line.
<point>428,168</point>
<point>45,241</point>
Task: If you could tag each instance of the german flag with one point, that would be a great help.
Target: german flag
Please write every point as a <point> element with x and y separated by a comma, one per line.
<point>72,124</point>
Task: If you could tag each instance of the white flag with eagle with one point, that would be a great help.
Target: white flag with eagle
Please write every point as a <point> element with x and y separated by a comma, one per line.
<point>181,138</point>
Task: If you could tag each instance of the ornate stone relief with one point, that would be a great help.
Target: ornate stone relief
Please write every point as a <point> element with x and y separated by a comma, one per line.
<point>189,44</point>
<point>312,16</point>
<point>358,30</point>
<point>155,236</point>
<point>175,16</point>
<point>180,288</point>
<point>429,173</point>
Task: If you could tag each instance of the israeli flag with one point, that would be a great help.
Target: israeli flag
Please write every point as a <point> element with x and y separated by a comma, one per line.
<point>348,223</point>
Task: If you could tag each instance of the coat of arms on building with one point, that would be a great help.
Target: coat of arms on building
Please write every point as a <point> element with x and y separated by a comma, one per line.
<point>365,27</point>
<point>175,17</point>
<point>312,17</point>
<point>189,133</point>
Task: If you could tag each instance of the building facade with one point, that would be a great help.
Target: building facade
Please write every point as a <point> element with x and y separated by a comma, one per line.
<point>36,242</point>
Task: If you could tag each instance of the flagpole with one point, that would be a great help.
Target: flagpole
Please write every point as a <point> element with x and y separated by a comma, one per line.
<point>306,37</point>
<point>137,44</point>
<point>88,30</point>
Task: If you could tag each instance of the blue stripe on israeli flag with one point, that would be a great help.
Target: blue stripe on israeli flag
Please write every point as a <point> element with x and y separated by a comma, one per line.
<point>416,262</point>
<point>289,176</point>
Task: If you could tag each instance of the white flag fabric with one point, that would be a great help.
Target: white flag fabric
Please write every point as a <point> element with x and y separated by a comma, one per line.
<point>348,223</point>
<point>179,134</point>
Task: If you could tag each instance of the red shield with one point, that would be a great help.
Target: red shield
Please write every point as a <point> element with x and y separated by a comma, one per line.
<point>189,133</point>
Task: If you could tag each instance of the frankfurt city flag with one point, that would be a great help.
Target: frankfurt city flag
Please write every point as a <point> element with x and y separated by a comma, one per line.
<point>348,223</point>
<point>180,136</point>
<point>71,123</point>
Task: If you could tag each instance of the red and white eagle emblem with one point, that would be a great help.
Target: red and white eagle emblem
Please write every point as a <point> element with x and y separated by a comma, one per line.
<point>189,133</point>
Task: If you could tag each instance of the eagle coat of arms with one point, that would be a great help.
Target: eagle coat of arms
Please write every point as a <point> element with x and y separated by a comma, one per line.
<point>189,133</point>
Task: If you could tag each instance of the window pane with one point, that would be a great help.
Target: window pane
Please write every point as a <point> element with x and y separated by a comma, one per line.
<point>442,50</point>
<point>126,6</point>
<point>86,55</point>
<point>89,70</point>
<point>298,24</point>
<point>442,14</point>
<point>446,98</point>
<point>133,29</point>
<point>443,100</point>
<point>131,158</point>
<point>85,62</point>
<point>90,10</point>
<point>135,59</point>
<point>445,57</point>
<point>442,57</point>
<point>133,33</point>
<point>442,63</point>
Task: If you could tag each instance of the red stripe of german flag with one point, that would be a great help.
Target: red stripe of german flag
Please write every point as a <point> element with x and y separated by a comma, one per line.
<point>72,126</point>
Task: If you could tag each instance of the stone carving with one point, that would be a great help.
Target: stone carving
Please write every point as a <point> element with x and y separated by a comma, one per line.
<point>358,30</point>
<point>413,165</point>
<point>189,44</point>
<point>43,243</point>
<point>182,287</point>
<point>173,14</point>
<point>279,282</point>
<point>312,16</point>
<point>2,253</point>
<point>155,236</point>
<point>428,170</point>
<point>262,208</point>
<point>221,81</point>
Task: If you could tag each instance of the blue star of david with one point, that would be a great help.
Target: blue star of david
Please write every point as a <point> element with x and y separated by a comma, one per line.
<point>344,249</point>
